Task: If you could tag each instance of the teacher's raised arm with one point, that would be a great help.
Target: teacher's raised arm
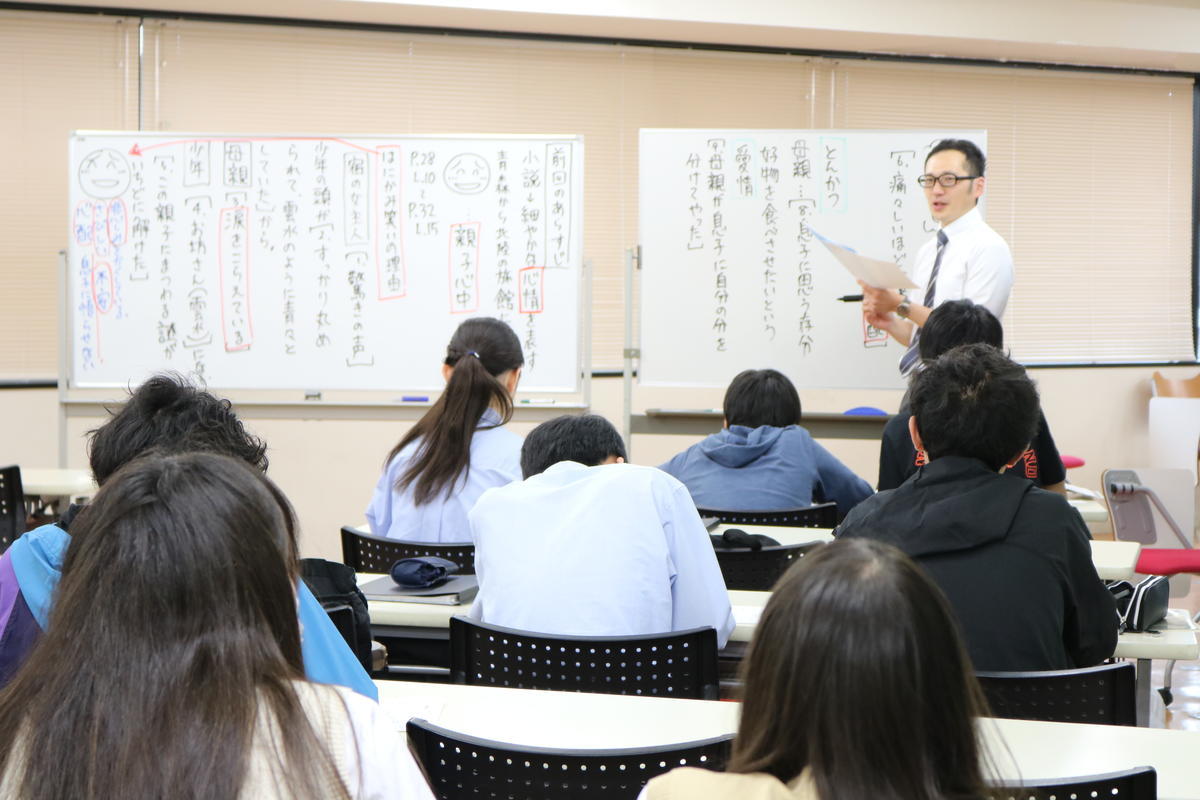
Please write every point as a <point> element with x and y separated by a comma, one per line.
<point>965,260</point>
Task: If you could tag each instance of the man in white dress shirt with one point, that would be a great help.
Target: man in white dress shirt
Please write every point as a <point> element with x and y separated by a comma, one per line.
<point>588,545</point>
<point>966,260</point>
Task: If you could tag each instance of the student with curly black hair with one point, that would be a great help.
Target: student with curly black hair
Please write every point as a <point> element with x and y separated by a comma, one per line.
<point>166,414</point>
<point>1013,559</point>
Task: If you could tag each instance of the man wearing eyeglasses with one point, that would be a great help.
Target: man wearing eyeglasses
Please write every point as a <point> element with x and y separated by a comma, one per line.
<point>967,260</point>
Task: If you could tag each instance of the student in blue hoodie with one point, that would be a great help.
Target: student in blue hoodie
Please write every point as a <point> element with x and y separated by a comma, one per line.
<point>168,415</point>
<point>763,460</point>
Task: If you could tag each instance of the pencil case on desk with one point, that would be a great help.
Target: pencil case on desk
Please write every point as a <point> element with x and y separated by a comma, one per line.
<point>1143,605</point>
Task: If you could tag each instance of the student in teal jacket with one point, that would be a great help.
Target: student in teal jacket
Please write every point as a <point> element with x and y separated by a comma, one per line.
<point>165,414</point>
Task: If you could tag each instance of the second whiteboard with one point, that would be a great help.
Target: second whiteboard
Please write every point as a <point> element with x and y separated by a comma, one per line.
<point>732,277</point>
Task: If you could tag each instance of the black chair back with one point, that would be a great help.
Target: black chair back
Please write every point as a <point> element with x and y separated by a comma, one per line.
<point>1139,783</point>
<point>1102,695</point>
<point>822,515</point>
<point>678,664</point>
<point>758,570</point>
<point>366,553</point>
<point>12,506</point>
<point>462,766</point>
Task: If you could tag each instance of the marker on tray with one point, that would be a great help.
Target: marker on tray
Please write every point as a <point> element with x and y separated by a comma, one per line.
<point>415,398</point>
<point>538,401</point>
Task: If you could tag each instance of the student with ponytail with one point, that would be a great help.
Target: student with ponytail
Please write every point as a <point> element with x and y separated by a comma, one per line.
<point>459,449</point>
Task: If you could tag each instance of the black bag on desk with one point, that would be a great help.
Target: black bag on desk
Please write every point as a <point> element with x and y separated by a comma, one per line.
<point>734,538</point>
<point>336,588</point>
<point>1143,605</point>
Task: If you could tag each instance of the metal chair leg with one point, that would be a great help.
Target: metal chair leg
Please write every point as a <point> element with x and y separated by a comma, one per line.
<point>1165,691</point>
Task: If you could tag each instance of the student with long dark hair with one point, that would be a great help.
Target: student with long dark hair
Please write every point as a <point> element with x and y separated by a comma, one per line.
<point>172,665</point>
<point>856,685</point>
<point>459,449</point>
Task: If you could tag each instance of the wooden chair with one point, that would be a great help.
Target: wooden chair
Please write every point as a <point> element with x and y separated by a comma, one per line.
<point>1139,783</point>
<point>463,766</point>
<point>1102,695</point>
<point>822,515</point>
<point>12,506</point>
<point>758,570</point>
<point>678,664</point>
<point>366,553</point>
<point>1175,387</point>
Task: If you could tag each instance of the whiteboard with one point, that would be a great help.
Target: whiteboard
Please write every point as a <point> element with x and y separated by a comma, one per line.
<point>319,262</point>
<point>732,277</point>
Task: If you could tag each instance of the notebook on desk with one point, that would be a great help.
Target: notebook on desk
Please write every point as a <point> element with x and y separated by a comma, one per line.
<point>457,590</point>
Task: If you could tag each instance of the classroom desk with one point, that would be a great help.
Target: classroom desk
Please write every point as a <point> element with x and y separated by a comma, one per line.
<point>1091,510</point>
<point>1176,641</point>
<point>57,487</point>
<point>1039,750</point>
<point>1114,560</point>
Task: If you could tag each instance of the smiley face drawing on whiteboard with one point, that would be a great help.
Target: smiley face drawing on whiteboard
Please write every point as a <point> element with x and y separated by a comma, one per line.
<point>104,174</point>
<point>467,173</point>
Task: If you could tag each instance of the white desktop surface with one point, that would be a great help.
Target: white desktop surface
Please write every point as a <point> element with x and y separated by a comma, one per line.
<point>57,482</point>
<point>578,720</point>
<point>783,535</point>
<point>1090,510</point>
<point>1178,640</point>
<point>1113,560</point>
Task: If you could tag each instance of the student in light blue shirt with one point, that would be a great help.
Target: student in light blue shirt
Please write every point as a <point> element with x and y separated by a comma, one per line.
<point>762,460</point>
<point>588,545</point>
<point>459,449</point>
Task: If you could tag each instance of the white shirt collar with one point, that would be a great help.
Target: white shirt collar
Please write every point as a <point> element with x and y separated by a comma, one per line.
<point>964,223</point>
<point>564,466</point>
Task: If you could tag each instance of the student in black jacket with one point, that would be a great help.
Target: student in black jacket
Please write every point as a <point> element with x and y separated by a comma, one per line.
<point>1013,559</point>
<point>954,323</point>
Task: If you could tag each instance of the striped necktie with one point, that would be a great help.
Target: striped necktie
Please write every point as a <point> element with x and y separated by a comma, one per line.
<point>911,355</point>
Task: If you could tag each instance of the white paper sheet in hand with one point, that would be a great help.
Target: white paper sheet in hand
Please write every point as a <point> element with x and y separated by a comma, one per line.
<point>872,271</point>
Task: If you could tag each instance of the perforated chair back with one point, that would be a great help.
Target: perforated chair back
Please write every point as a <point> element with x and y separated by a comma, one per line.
<point>1102,695</point>
<point>678,664</point>
<point>363,552</point>
<point>12,506</point>
<point>822,515</point>
<point>1139,783</point>
<point>463,766</point>
<point>758,570</point>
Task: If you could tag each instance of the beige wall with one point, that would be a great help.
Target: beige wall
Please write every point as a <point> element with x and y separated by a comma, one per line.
<point>1153,34</point>
<point>328,467</point>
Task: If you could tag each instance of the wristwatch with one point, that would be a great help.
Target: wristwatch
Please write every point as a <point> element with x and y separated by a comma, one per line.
<point>902,309</point>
